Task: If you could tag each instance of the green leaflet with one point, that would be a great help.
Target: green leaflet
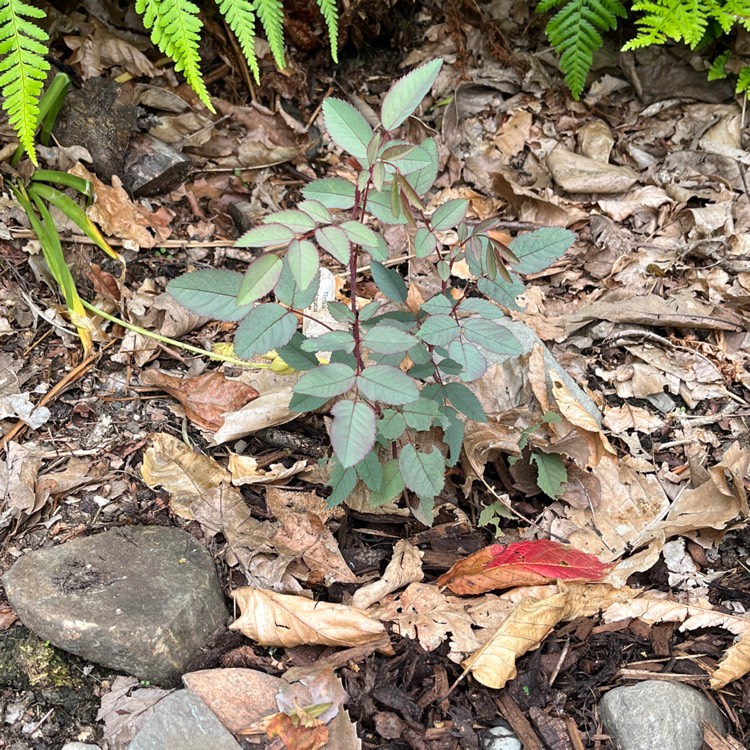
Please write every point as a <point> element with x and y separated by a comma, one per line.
<point>261,277</point>
<point>439,330</point>
<point>390,282</point>
<point>352,431</point>
<point>266,235</point>
<point>302,258</point>
<point>391,485</point>
<point>266,327</point>
<point>551,472</point>
<point>405,95</point>
<point>423,473</point>
<point>331,192</point>
<point>327,381</point>
<point>342,481</point>
<point>490,336</point>
<point>370,471</point>
<point>332,341</point>
<point>335,242</point>
<point>347,128</point>
<point>538,250</point>
<point>387,384</point>
<point>385,339</point>
<point>212,293</point>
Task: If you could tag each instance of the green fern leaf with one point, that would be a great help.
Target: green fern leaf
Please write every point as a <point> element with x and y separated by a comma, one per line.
<point>678,20</point>
<point>240,18</point>
<point>23,68</point>
<point>271,16</point>
<point>175,29</point>
<point>743,81</point>
<point>574,32</point>
<point>330,12</point>
<point>729,13</point>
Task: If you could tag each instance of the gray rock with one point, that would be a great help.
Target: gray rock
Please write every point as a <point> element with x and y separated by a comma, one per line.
<point>143,600</point>
<point>500,738</point>
<point>182,721</point>
<point>80,746</point>
<point>658,715</point>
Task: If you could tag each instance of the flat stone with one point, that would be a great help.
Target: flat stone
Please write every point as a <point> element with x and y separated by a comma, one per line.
<point>578,174</point>
<point>595,141</point>
<point>143,600</point>
<point>182,721</point>
<point>658,715</point>
<point>238,697</point>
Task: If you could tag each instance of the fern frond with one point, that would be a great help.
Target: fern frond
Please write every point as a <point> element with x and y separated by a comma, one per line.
<point>574,31</point>
<point>240,18</point>
<point>23,68</point>
<point>730,12</point>
<point>330,12</point>
<point>271,16</point>
<point>678,20</point>
<point>175,29</point>
<point>743,81</point>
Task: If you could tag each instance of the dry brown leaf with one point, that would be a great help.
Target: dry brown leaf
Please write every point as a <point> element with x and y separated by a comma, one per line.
<point>628,417</point>
<point>404,568</point>
<point>526,627</point>
<point>272,619</point>
<point>206,397</point>
<point>303,534</point>
<point>268,410</point>
<point>115,213</point>
<point>734,664</point>
<point>425,613</point>
<point>244,470</point>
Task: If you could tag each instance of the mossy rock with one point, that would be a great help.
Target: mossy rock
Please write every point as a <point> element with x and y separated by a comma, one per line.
<point>27,662</point>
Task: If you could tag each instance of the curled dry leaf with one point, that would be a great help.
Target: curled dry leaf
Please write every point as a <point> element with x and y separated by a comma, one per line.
<point>206,397</point>
<point>115,213</point>
<point>521,564</point>
<point>526,627</point>
<point>245,470</point>
<point>272,619</point>
<point>404,568</point>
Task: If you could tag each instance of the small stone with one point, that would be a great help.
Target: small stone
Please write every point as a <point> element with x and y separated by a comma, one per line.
<point>183,720</point>
<point>238,697</point>
<point>578,174</point>
<point>595,141</point>
<point>658,715</point>
<point>143,600</point>
<point>500,737</point>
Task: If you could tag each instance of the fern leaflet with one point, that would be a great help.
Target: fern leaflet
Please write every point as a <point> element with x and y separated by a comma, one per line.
<point>574,31</point>
<point>240,18</point>
<point>729,13</point>
<point>175,29</point>
<point>330,12</point>
<point>679,20</point>
<point>271,16</point>
<point>23,68</point>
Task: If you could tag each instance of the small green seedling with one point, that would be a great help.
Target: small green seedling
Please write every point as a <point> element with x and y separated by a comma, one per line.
<point>392,377</point>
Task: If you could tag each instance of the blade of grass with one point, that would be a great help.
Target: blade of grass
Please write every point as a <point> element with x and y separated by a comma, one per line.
<point>74,212</point>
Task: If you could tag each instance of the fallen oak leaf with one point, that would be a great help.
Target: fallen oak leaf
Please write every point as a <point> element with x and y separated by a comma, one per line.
<point>206,397</point>
<point>494,664</point>
<point>404,568</point>
<point>272,619</point>
<point>527,563</point>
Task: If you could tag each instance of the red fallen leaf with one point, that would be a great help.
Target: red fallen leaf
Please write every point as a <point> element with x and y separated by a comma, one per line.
<point>532,563</point>
<point>205,397</point>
